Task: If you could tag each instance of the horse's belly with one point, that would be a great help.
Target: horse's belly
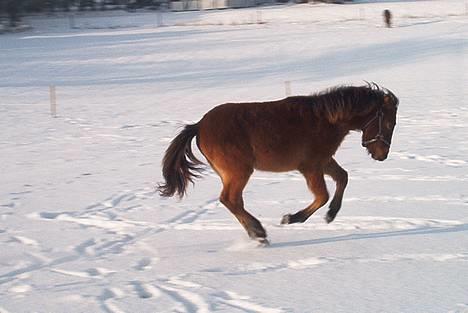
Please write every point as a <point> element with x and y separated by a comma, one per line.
<point>273,168</point>
<point>276,163</point>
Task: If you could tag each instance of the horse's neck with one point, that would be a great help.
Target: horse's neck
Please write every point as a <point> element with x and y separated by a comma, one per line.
<point>356,121</point>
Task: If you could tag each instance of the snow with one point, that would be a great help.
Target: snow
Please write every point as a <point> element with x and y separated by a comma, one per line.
<point>83,230</point>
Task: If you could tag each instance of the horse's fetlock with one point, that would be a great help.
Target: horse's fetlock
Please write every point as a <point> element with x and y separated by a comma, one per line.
<point>335,204</point>
<point>299,217</point>
<point>257,232</point>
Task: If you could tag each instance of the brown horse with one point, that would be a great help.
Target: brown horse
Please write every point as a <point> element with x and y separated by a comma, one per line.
<point>387,15</point>
<point>296,133</point>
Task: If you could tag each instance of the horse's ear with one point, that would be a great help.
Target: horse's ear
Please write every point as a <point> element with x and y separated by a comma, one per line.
<point>387,102</point>
<point>390,101</point>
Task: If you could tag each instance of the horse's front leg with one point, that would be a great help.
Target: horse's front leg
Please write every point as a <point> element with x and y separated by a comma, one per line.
<point>316,184</point>
<point>340,176</point>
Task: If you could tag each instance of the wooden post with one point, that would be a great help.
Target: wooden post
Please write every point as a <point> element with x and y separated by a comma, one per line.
<point>53,101</point>
<point>287,88</point>
<point>159,18</point>
<point>71,20</point>
<point>259,17</point>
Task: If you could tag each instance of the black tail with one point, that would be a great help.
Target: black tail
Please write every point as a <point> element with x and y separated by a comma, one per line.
<point>179,163</point>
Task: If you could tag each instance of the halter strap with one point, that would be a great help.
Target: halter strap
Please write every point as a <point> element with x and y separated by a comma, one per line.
<point>379,136</point>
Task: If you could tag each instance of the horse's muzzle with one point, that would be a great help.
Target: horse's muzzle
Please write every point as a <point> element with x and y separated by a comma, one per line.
<point>379,156</point>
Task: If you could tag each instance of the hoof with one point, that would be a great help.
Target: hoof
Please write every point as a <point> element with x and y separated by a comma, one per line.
<point>257,232</point>
<point>286,219</point>
<point>329,218</point>
<point>262,242</point>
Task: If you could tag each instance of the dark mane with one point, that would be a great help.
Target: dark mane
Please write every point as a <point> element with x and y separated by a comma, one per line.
<point>341,102</point>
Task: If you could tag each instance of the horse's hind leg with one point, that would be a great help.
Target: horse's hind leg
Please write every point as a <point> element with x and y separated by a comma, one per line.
<point>340,176</point>
<point>316,184</point>
<point>231,196</point>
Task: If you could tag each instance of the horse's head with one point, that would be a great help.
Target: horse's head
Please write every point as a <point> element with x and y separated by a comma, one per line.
<point>377,131</point>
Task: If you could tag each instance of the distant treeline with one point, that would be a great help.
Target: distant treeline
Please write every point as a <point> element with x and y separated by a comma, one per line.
<point>54,5</point>
<point>13,9</point>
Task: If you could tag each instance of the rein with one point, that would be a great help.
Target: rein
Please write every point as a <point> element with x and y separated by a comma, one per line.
<point>379,136</point>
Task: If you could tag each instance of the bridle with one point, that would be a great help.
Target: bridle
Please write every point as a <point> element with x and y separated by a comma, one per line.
<point>379,136</point>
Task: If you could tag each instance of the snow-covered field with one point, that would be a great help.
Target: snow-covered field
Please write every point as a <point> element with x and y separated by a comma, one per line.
<point>82,229</point>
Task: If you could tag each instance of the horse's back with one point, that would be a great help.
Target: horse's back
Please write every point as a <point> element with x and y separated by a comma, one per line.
<point>270,136</point>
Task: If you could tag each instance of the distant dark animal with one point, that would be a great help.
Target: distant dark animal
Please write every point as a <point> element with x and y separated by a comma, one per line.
<point>387,15</point>
<point>296,133</point>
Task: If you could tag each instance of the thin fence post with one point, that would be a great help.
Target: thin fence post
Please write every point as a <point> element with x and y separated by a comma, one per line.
<point>287,88</point>
<point>71,20</point>
<point>362,14</point>
<point>159,17</point>
<point>53,101</point>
